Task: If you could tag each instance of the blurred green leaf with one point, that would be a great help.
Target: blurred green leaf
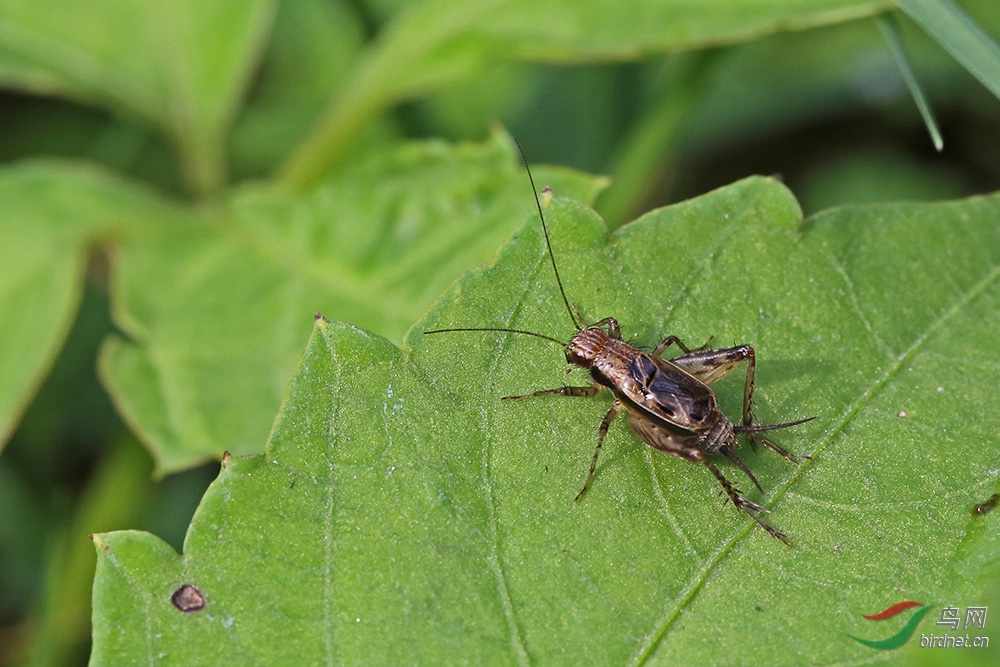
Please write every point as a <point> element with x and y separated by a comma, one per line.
<point>68,424</point>
<point>226,296</point>
<point>182,66</point>
<point>51,214</point>
<point>431,44</point>
<point>403,513</point>
<point>21,544</point>
<point>313,46</point>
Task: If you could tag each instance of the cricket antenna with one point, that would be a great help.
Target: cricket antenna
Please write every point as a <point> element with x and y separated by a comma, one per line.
<point>517,331</point>
<point>545,230</point>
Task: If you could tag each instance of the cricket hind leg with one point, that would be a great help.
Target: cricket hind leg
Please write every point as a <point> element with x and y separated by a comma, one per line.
<point>770,444</point>
<point>711,365</point>
<point>730,454</point>
<point>615,410</point>
<point>749,508</point>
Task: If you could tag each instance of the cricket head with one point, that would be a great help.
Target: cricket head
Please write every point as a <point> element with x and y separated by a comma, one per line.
<point>584,347</point>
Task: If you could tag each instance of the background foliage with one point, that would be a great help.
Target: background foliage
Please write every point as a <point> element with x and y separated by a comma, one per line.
<point>184,185</point>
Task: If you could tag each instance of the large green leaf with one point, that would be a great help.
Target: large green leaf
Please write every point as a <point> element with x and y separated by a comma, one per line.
<point>182,66</point>
<point>403,513</point>
<point>219,295</point>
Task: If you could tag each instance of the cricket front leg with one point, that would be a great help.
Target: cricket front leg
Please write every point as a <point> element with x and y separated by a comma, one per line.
<point>592,390</point>
<point>614,331</point>
<point>667,342</point>
<point>674,340</point>
<point>616,408</point>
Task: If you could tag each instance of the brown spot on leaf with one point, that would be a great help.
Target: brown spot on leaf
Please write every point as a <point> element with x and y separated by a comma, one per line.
<point>187,598</point>
<point>987,507</point>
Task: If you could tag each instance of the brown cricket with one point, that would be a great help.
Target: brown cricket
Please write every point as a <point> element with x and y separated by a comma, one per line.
<point>669,402</point>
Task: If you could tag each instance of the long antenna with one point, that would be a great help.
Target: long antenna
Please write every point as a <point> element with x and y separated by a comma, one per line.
<point>545,230</point>
<point>517,331</point>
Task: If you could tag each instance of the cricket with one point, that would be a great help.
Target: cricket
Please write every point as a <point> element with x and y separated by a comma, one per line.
<point>669,403</point>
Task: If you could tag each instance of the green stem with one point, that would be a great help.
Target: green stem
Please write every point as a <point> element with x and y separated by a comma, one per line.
<point>111,501</point>
<point>891,33</point>
<point>650,143</point>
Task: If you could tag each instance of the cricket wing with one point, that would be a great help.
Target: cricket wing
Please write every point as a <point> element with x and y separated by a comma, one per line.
<point>669,395</point>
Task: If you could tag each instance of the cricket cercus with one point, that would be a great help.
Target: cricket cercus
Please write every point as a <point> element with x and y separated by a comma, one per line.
<point>669,402</point>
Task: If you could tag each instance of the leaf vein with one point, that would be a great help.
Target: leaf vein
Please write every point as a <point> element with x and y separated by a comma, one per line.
<point>852,296</point>
<point>665,506</point>
<point>493,558</point>
<point>329,591</point>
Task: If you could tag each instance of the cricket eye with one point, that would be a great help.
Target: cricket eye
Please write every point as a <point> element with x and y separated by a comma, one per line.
<point>577,357</point>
